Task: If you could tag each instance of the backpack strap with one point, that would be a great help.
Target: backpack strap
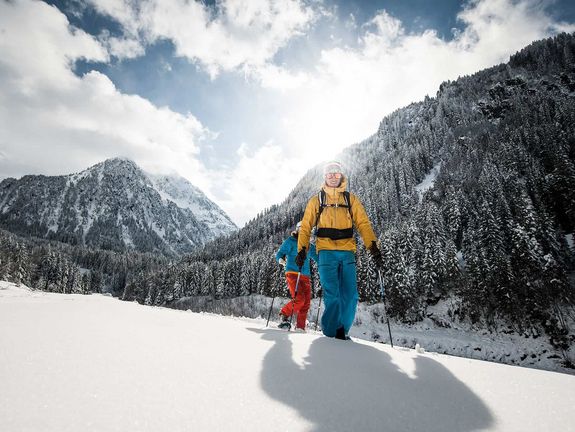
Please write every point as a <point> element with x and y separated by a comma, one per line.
<point>321,199</point>
<point>333,233</point>
<point>347,198</point>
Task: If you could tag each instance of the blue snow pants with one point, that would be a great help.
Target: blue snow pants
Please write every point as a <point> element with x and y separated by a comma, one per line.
<point>337,275</point>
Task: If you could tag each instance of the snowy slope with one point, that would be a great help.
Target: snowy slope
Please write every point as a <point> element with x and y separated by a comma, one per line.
<point>428,181</point>
<point>113,205</point>
<point>187,196</point>
<point>92,363</point>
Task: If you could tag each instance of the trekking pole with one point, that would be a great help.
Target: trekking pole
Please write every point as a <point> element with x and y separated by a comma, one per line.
<point>274,297</point>
<point>294,296</point>
<point>318,309</point>
<point>381,285</point>
<point>270,312</point>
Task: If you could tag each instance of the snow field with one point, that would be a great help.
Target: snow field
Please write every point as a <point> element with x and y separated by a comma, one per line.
<point>93,363</point>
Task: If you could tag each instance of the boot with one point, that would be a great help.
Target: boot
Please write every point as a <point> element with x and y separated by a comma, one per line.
<point>340,334</point>
<point>284,324</point>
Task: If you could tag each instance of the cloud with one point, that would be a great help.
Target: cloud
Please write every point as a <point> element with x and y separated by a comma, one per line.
<point>54,122</point>
<point>278,78</point>
<point>261,176</point>
<point>50,48</point>
<point>235,34</point>
<point>122,47</point>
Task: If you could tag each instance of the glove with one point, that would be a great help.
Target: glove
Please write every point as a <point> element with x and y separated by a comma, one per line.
<point>319,292</point>
<point>376,255</point>
<point>282,261</point>
<point>300,258</point>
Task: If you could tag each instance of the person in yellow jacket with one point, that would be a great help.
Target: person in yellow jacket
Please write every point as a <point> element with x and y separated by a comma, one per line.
<point>334,212</point>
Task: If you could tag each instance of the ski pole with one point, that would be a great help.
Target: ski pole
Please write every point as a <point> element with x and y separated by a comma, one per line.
<point>318,309</point>
<point>270,312</point>
<point>381,285</point>
<point>294,296</point>
<point>274,297</point>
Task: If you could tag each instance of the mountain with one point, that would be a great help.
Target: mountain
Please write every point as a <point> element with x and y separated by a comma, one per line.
<point>113,205</point>
<point>187,196</point>
<point>130,367</point>
<point>472,195</point>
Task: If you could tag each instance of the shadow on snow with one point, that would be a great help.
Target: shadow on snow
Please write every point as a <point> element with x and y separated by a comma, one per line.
<point>347,386</point>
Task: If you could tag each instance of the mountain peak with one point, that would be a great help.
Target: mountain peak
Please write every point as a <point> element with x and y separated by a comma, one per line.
<point>117,162</point>
<point>113,205</point>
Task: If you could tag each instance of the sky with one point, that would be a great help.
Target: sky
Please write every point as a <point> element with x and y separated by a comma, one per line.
<point>241,97</point>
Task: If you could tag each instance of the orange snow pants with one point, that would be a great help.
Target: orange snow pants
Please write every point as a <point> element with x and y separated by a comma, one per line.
<point>300,305</point>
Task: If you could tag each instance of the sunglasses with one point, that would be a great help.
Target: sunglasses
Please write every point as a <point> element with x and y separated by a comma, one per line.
<point>333,175</point>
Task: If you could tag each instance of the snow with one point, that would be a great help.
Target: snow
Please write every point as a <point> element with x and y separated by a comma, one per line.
<point>460,260</point>
<point>439,333</point>
<point>126,237</point>
<point>93,363</point>
<point>428,181</point>
<point>185,195</point>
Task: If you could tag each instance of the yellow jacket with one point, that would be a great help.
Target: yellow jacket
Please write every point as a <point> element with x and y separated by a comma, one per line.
<point>335,217</point>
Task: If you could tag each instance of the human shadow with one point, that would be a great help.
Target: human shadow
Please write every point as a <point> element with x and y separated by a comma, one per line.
<point>346,386</point>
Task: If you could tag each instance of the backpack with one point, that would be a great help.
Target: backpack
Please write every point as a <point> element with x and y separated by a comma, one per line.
<point>333,233</point>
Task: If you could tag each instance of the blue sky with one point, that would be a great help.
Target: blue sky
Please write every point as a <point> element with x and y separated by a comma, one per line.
<point>239,96</point>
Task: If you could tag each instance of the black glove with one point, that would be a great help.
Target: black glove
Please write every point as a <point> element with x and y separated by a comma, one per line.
<point>376,255</point>
<point>319,292</point>
<point>300,258</point>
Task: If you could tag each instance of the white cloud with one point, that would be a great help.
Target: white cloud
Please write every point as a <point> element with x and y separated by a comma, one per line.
<point>278,78</point>
<point>45,50</point>
<point>237,34</point>
<point>258,180</point>
<point>122,47</point>
<point>496,28</point>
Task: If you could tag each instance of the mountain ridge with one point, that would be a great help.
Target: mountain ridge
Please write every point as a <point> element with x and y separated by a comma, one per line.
<point>112,205</point>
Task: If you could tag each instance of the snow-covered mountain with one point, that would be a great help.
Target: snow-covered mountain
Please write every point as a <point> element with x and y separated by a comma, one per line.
<point>113,205</point>
<point>187,196</point>
<point>78,372</point>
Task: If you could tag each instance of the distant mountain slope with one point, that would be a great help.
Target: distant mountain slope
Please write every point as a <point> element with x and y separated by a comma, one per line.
<point>187,196</point>
<point>113,205</point>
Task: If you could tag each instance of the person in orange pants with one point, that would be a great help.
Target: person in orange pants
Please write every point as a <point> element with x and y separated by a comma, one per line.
<point>299,305</point>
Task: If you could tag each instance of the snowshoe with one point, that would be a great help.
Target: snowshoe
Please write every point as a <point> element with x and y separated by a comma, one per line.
<point>284,325</point>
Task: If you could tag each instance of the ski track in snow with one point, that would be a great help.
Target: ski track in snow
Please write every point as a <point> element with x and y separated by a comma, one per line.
<point>93,363</point>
